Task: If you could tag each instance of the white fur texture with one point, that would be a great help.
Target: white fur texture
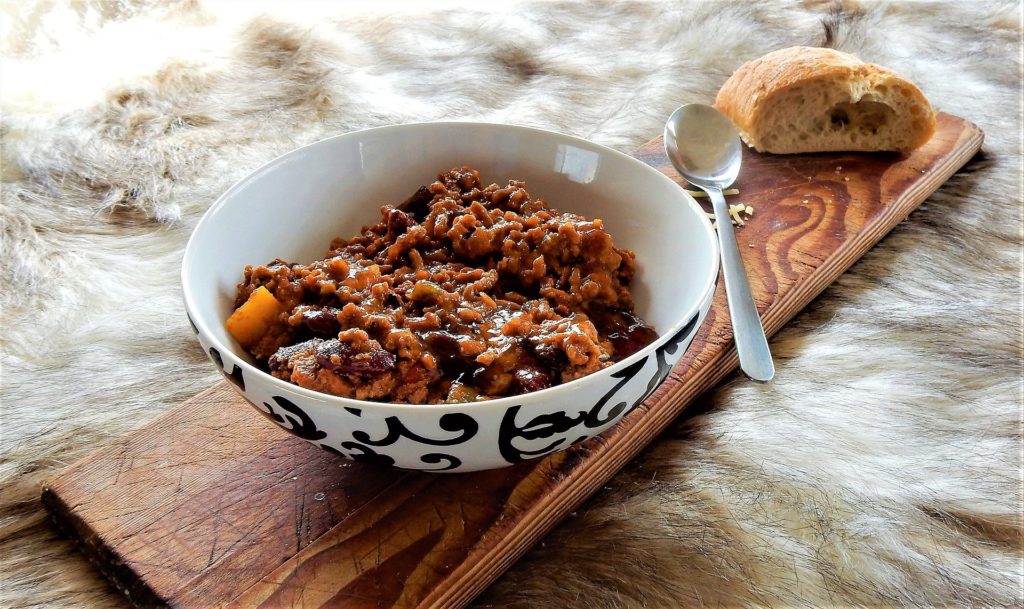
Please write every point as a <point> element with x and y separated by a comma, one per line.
<point>881,468</point>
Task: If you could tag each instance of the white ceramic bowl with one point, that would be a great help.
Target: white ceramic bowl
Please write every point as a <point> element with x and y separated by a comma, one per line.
<point>294,205</point>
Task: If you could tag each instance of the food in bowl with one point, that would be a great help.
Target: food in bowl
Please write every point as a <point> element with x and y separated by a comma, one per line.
<point>462,293</point>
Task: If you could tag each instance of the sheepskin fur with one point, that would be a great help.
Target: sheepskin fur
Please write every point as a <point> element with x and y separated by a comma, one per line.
<point>881,468</point>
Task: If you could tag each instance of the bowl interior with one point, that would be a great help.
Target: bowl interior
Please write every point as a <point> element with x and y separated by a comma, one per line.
<point>292,207</point>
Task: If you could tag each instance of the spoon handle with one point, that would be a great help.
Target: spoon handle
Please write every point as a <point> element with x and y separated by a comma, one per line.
<point>751,343</point>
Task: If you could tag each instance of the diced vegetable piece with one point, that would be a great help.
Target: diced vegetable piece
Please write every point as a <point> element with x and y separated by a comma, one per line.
<point>321,322</point>
<point>251,321</point>
<point>426,292</point>
<point>461,394</point>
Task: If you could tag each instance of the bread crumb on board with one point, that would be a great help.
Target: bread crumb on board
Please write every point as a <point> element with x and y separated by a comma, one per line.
<point>737,211</point>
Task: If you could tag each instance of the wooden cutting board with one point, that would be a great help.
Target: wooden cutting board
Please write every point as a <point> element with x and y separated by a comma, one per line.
<point>210,505</point>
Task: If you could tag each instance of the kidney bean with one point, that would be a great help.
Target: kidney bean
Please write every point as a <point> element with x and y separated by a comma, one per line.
<point>627,332</point>
<point>397,222</point>
<point>321,322</point>
<point>418,204</point>
<point>340,358</point>
<point>282,359</point>
<point>532,379</point>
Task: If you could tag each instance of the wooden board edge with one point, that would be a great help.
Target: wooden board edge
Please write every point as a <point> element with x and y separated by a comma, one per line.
<point>101,556</point>
<point>53,483</point>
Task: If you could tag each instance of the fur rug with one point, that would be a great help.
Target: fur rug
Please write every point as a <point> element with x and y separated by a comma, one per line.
<point>881,468</point>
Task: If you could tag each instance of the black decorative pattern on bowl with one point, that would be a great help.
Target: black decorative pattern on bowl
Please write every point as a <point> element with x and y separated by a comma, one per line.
<point>517,440</point>
<point>304,427</point>
<point>235,376</point>
<point>558,424</point>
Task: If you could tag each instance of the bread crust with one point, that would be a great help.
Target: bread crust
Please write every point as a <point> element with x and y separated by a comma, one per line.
<point>753,86</point>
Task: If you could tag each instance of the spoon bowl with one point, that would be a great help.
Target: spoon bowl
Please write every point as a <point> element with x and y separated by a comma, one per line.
<point>710,153</point>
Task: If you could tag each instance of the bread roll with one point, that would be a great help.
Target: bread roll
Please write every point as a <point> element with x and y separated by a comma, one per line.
<point>805,99</point>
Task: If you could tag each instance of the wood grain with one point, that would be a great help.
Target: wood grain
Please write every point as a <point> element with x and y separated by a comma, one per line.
<point>210,506</point>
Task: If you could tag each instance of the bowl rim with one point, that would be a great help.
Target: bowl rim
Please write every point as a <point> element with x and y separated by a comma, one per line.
<point>554,393</point>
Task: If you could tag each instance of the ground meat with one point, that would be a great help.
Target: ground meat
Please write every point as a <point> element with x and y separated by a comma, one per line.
<point>463,292</point>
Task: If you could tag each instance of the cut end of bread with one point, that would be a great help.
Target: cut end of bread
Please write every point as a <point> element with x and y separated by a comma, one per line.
<point>818,116</point>
<point>819,100</point>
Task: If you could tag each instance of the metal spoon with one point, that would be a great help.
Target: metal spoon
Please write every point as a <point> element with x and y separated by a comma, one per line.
<point>705,149</point>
